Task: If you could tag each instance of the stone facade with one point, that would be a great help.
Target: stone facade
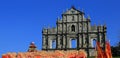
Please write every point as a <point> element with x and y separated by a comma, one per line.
<point>73,26</point>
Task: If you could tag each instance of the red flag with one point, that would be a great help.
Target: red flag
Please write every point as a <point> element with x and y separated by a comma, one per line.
<point>108,50</point>
<point>99,51</point>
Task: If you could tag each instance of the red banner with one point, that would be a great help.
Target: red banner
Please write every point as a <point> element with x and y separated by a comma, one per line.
<point>108,50</point>
<point>99,51</point>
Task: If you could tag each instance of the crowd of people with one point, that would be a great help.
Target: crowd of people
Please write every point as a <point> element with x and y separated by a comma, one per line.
<point>48,54</point>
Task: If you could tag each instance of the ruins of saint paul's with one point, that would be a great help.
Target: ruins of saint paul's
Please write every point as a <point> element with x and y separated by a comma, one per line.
<point>73,26</point>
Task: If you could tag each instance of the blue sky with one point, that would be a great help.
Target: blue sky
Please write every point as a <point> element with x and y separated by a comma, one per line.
<point>21,21</point>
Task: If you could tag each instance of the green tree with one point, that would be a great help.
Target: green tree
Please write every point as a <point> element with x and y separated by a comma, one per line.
<point>116,50</point>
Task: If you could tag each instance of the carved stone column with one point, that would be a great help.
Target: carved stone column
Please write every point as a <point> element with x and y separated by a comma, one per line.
<point>59,45</point>
<point>49,42</point>
<point>90,41</point>
<point>68,42</point>
<point>64,41</point>
<point>80,41</point>
<point>44,43</point>
<point>84,44</point>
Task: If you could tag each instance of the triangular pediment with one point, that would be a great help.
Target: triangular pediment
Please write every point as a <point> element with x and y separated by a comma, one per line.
<point>73,10</point>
